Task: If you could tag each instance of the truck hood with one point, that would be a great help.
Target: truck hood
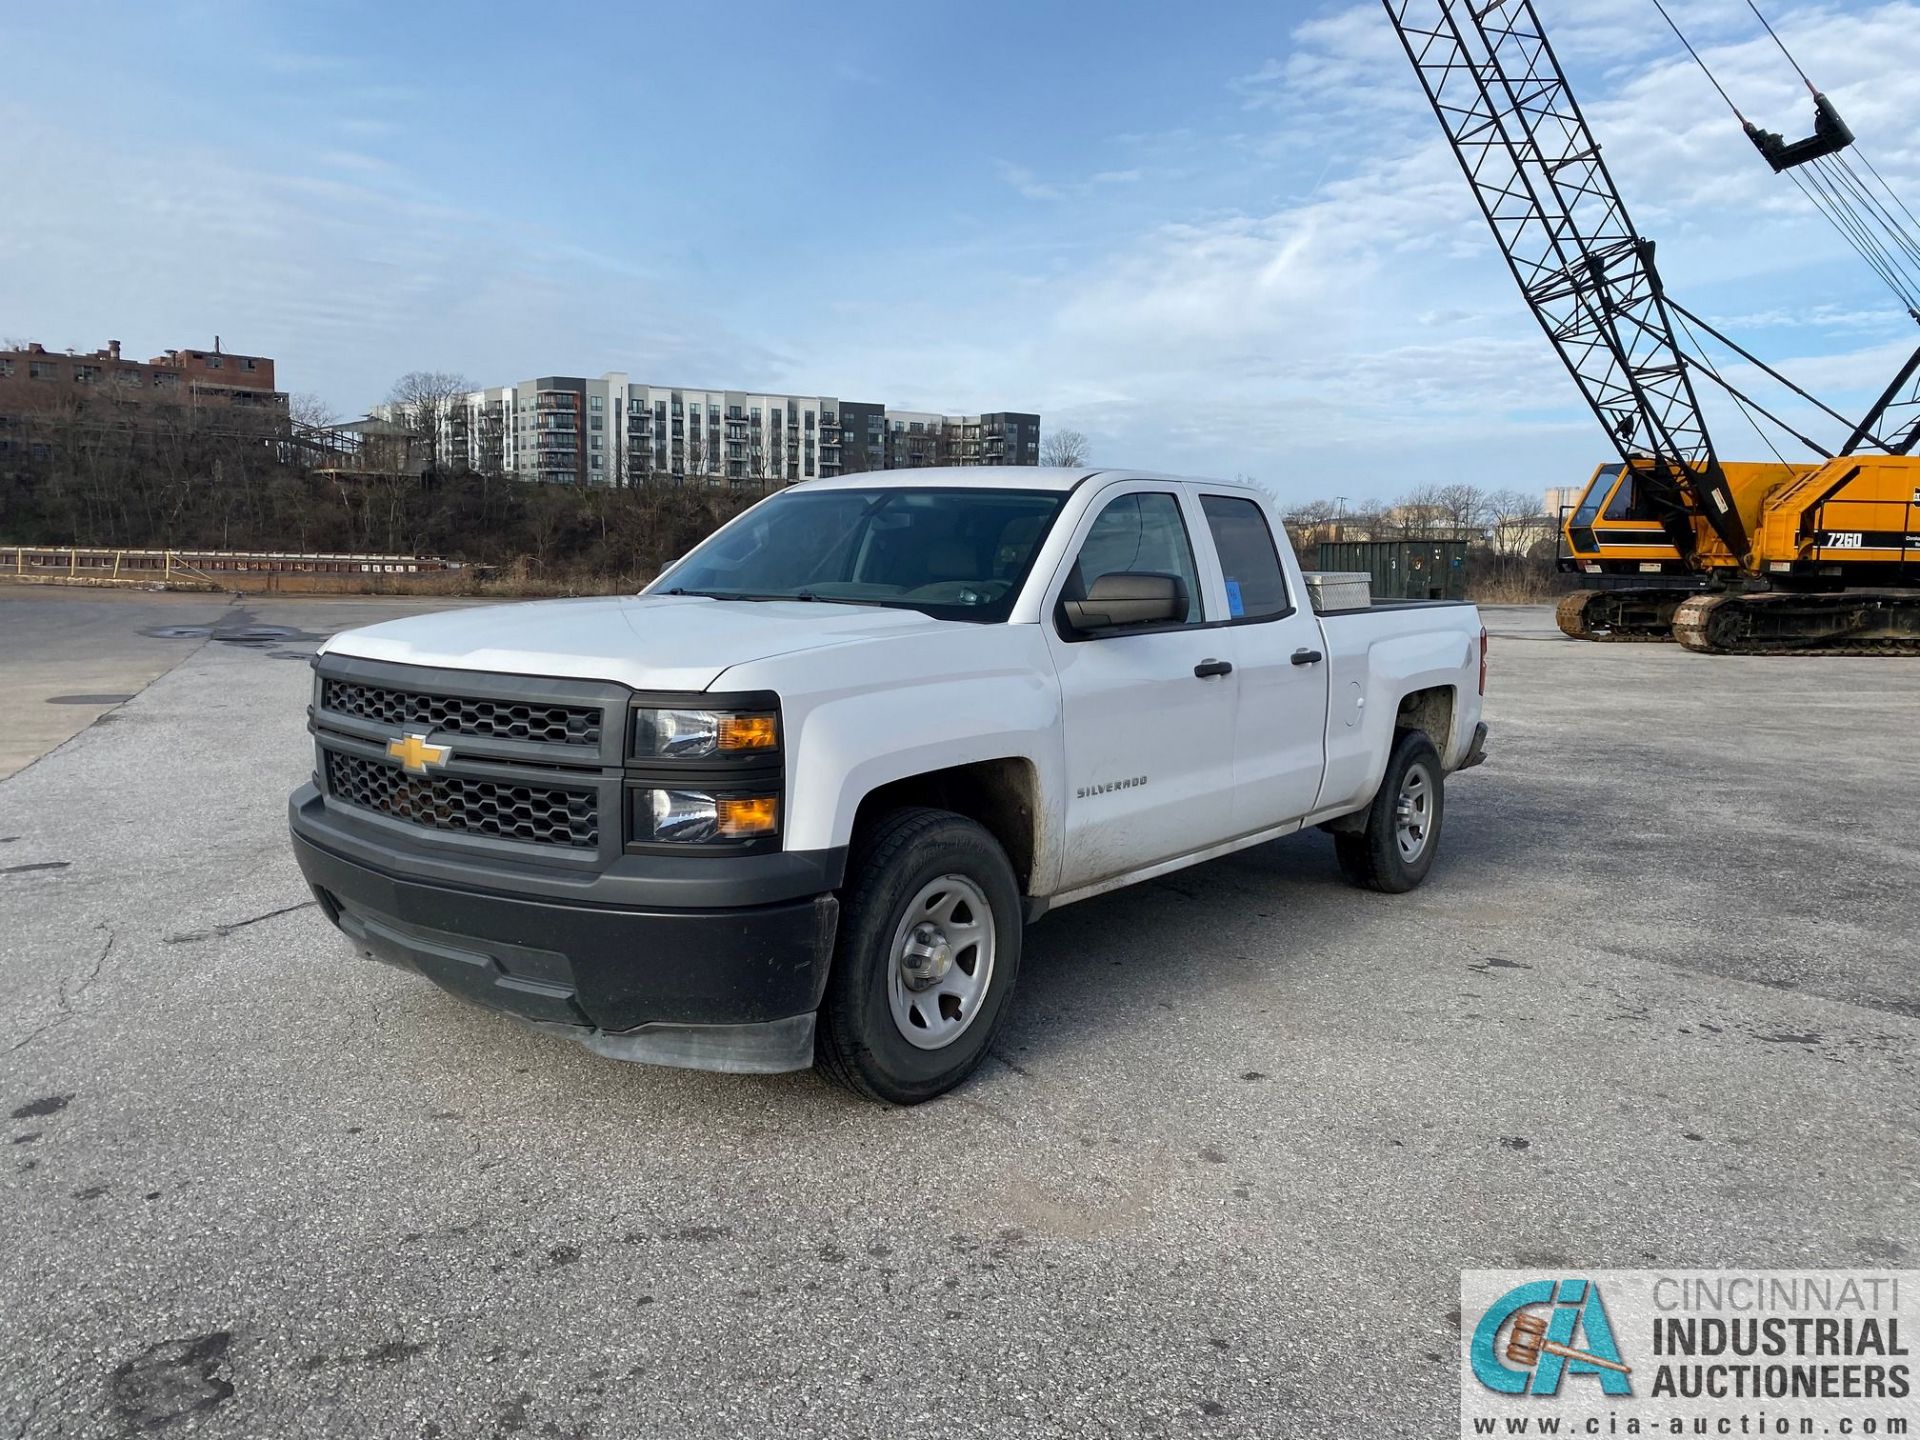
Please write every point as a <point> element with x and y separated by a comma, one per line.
<point>651,642</point>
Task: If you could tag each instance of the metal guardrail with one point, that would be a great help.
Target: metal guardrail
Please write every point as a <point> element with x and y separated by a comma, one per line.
<point>100,565</point>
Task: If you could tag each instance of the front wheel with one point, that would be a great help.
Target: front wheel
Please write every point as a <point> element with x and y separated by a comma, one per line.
<point>928,951</point>
<point>1396,849</point>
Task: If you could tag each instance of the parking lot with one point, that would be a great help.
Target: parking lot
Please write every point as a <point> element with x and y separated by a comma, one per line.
<point>1656,1005</point>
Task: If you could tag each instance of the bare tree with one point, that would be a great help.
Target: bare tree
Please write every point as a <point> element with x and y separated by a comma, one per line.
<point>423,400</point>
<point>1311,512</point>
<point>1308,524</point>
<point>1441,512</point>
<point>1463,506</point>
<point>311,410</point>
<point>794,447</point>
<point>854,459</point>
<point>1515,520</point>
<point>772,465</point>
<point>701,451</point>
<point>1064,447</point>
<point>1416,515</point>
<point>636,452</point>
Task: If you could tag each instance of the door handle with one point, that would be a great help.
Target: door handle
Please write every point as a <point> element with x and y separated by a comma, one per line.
<point>1307,657</point>
<point>1213,667</point>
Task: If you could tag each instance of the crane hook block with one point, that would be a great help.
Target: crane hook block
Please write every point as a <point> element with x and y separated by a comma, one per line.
<point>1830,134</point>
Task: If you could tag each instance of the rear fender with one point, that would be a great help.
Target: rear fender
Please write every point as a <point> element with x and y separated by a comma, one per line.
<point>1366,694</point>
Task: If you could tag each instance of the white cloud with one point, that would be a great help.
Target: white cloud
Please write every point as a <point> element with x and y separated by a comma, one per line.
<point>346,271</point>
<point>1029,184</point>
<point>1808,317</point>
<point>1230,340</point>
<point>1289,279</point>
<point>1026,182</point>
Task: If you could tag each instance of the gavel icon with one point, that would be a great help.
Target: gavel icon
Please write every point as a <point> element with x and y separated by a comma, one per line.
<point>1528,1342</point>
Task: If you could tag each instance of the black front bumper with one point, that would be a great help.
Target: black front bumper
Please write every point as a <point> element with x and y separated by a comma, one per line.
<point>718,986</point>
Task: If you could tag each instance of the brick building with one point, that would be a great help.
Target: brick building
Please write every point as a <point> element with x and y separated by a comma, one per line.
<point>34,378</point>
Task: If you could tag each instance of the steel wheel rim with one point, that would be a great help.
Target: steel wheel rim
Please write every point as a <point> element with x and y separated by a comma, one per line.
<point>940,964</point>
<point>1413,813</point>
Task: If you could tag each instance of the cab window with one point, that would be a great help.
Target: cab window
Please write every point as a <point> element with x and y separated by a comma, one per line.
<point>1256,585</point>
<point>1138,534</point>
<point>1596,496</point>
<point>1621,506</point>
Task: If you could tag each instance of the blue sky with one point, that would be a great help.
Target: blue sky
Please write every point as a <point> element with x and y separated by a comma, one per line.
<point>1218,239</point>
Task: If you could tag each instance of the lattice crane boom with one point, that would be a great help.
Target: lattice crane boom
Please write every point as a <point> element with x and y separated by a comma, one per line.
<point>1505,107</point>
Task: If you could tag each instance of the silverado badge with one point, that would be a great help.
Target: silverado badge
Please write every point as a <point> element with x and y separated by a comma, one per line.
<point>416,756</point>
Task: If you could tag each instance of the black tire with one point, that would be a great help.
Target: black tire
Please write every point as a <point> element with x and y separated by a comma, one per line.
<point>1373,858</point>
<point>859,1042</point>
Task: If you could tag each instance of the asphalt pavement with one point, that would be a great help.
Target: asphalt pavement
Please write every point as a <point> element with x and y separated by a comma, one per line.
<point>1655,1005</point>
<point>72,654</point>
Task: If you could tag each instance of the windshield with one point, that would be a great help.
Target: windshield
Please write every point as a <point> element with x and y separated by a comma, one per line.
<point>958,554</point>
<point>1596,495</point>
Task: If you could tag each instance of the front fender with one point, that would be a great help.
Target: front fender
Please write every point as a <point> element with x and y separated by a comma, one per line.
<point>862,716</point>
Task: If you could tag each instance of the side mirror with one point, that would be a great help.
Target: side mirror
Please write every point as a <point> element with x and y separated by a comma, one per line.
<point>1128,597</point>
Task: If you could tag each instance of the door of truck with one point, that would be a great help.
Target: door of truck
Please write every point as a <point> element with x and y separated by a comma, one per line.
<point>1148,709</point>
<point>1280,713</point>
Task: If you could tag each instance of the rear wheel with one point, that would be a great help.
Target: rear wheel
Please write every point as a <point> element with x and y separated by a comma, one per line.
<point>1396,849</point>
<point>928,951</point>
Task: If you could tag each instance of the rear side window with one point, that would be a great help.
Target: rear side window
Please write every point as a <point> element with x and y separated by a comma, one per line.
<point>1256,585</point>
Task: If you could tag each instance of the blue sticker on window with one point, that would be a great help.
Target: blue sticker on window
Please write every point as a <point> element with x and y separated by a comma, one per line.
<point>1236,607</point>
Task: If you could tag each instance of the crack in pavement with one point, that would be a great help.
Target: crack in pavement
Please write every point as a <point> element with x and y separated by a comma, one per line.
<point>220,932</point>
<point>63,1002</point>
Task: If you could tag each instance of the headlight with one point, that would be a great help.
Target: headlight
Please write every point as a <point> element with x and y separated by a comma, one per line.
<point>695,734</point>
<point>696,817</point>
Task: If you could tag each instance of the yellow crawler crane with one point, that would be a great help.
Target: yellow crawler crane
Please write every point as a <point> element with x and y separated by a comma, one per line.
<point>1615,537</point>
<point>1836,544</point>
<point>1812,558</point>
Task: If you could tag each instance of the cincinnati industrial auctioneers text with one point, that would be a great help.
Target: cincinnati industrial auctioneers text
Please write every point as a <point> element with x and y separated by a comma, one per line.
<point>1688,1352</point>
<point>1728,1338</point>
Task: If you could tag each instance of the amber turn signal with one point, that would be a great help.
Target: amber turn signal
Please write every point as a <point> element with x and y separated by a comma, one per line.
<point>746,816</point>
<point>748,732</point>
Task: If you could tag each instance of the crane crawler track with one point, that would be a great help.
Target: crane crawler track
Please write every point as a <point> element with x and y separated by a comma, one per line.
<point>1853,622</point>
<point>1619,617</point>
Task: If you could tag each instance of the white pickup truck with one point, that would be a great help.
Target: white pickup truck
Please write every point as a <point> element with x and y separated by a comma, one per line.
<point>799,798</point>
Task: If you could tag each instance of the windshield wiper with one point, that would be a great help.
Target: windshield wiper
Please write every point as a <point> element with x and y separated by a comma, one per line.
<point>755,597</point>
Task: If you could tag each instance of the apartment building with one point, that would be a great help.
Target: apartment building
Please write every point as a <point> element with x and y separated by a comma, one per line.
<point>916,438</point>
<point>731,434</point>
<point>34,378</point>
<point>615,431</point>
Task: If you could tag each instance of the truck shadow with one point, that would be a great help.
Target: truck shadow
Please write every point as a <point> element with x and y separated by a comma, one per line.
<point>1102,972</point>
<point>1109,965</point>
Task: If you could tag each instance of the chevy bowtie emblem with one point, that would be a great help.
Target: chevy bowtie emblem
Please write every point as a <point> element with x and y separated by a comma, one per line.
<point>416,756</point>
